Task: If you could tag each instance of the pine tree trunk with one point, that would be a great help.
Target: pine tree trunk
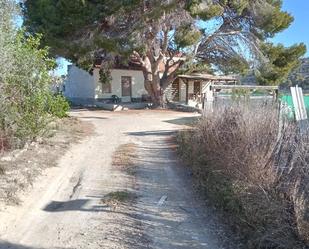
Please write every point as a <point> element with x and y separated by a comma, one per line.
<point>152,84</point>
<point>155,92</point>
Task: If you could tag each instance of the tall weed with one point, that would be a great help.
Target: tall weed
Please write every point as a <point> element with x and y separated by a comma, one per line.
<point>255,170</point>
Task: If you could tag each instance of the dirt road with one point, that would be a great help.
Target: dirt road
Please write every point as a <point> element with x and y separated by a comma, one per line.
<point>65,208</point>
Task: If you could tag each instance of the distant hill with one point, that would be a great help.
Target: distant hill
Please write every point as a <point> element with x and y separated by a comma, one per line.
<point>299,76</point>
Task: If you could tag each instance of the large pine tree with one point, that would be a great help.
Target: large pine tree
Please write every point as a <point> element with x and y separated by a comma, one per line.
<point>225,35</point>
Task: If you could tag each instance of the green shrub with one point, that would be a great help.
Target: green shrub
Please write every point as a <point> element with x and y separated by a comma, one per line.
<point>32,119</point>
<point>58,106</point>
<point>27,105</point>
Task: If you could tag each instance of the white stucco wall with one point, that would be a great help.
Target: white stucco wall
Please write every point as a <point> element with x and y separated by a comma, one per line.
<point>207,91</point>
<point>79,85</point>
<point>138,88</point>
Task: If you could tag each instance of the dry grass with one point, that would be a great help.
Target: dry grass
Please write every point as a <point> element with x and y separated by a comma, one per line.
<point>124,158</point>
<point>256,176</point>
<point>118,197</point>
<point>21,167</point>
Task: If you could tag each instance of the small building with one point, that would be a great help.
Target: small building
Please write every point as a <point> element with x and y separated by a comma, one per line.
<point>127,85</point>
<point>195,88</point>
<point>83,88</point>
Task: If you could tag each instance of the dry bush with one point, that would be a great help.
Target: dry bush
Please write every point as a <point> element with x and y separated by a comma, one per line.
<point>253,171</point>
<point>4,142</point>
<point>292,172</point>
<point>117,198</point>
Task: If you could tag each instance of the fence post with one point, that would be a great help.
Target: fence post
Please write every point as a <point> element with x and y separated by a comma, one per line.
<point>208,99</point>
<point>300,108</point>
<point>299,103</point>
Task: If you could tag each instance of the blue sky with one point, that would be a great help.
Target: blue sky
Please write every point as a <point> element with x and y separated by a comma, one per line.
<point>296,33</point>
<point>299,29</point>
<point>62,66</point>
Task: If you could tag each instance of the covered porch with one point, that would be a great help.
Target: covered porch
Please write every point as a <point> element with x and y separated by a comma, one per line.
<point>194,89</point>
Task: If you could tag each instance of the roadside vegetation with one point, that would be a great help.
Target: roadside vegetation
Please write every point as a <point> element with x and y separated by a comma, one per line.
<point>27,105</point>
<point>20,168</point>
<point>117,198</point>
<point>254,171</point>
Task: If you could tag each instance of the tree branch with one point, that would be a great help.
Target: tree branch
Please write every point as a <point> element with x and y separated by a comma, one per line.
<point>137,59</point>
<point>164,48</point>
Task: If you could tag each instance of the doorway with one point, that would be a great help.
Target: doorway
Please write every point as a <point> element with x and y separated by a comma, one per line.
<point>197,88</point>
<point>126,88</point>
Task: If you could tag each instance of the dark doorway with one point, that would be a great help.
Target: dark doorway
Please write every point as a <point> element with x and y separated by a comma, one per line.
<point>126,86</point>
<point>197,88</point>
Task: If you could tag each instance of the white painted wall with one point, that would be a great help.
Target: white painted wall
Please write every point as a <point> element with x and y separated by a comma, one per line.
<point>206,90</point>
<point>79,84</point>
<point>138,88</point>
<point>82,87</point>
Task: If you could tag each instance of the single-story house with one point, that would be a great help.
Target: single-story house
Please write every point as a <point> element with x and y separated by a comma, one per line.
<point>86,89</point>
<point>127,85</point>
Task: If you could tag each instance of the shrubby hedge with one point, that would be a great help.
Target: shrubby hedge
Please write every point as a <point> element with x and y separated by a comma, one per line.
<point>27,105</point>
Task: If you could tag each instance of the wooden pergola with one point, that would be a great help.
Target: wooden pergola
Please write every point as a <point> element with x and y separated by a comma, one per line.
<point>209,77</point>
<point>224,82</point>
<point>213,79</point>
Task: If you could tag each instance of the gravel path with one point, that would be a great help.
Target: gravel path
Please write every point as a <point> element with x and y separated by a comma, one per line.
<point>65,207</point>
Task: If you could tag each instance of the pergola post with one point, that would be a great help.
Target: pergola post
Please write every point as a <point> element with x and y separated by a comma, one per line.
<point>187,91</point>
<point>276,95</point>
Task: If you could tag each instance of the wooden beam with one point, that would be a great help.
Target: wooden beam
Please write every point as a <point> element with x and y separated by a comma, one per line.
<point>207,77</point>
<point>248,87</point>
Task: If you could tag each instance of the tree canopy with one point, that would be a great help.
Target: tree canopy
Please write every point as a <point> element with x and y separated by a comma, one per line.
<point>281,61</point>
<point>225,35</point>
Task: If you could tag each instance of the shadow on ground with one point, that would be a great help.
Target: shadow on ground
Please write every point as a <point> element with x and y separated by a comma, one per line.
<point>183,220</point>
<point>80,205</point>
<point>8,245</point>
<point>152,133</point>
<point>90,117</point>
<point>72,205</point>
<point>190,121</point>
